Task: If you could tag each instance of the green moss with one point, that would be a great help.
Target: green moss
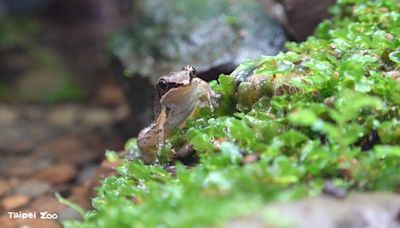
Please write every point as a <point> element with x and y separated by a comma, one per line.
<point>327,110</point>
<point>70,92</point>
<point>3,90</point>
<point>15,30</point>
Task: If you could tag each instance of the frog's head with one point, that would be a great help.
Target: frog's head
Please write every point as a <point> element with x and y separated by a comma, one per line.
<point>176,79</point>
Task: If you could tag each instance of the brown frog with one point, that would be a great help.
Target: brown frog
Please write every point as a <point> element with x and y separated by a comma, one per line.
<point>176,97</point>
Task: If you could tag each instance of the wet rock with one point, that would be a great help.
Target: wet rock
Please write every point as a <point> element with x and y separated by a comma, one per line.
<point>69,214</point>
<point>7,185</point>
<point>253,222</point>
<point>110,94</point>
<point>330,189</point>
<point>121,113</point>
<point>97,117</point>
<point>214,38</point>
<point>6,222</point>
<point>87,174</point>
<point>38,223</point>
<point>13,202</point>
<point>80,195</point>
<point>57,174</point>
<point>23,136</point>
<point>8,115</point>
<point>21,171</point>
<point>67,148</point>
<point>303,16</point>
<point>18,167</point>
<point>63,116</point>
<point>47,203</point>
<point>218,34</point>
<point>4,187</point>
<point>33,188</point>
<point>22,166</point>
<point>32,112</point>
<point>357,210</point>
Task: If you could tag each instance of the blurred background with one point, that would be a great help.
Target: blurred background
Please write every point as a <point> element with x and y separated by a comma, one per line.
<point>77,79</point>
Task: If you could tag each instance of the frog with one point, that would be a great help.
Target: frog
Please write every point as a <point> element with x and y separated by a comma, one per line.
<point>177,95</point>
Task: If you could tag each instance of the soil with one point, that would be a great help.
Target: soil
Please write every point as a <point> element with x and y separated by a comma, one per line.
<point>49,149</point>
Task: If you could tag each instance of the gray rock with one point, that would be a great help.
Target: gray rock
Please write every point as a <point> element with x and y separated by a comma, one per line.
<point>96,117</point>
<point>212,35</point>
<point>358,210</point>
<point>63,115</point>
<point>205,34</point>
<point>87,174</point>
<point>33,188</point>
<point>23,136</point>
<point>69,214</point>
<point>8,115</point>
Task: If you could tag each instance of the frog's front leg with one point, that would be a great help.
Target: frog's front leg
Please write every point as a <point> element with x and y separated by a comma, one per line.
<point>160,126</point>
<point>151,138</point>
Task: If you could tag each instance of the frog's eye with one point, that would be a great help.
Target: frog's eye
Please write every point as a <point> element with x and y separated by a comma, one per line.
<point>191,70</point>
<point>163,85</point>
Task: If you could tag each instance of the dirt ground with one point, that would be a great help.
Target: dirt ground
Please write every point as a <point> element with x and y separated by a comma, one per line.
<point>49,149</point>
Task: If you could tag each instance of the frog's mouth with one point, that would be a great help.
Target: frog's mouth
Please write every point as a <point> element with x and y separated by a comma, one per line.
<point>180,97</point>
<point>180,102</point>
<point>164,87</point>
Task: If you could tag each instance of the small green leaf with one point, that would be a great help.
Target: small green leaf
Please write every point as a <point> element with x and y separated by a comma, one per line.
<point>284,67</point>
<point>303,117</point>
<point>131,144</point>
<point>200,140</point>
<point>70,204</point>
<point>292,138</point>
<point>387,151</point>
<point>395,56</point>
<point>232,151</point>
<point>111,156</point>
